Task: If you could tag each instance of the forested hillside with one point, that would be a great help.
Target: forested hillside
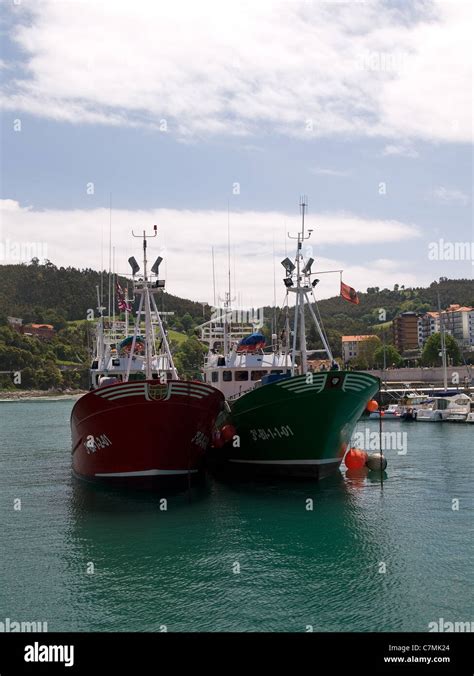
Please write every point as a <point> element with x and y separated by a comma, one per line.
<point>44,293</point>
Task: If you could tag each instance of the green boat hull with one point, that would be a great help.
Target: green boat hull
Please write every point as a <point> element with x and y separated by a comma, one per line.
<point>299,426</point>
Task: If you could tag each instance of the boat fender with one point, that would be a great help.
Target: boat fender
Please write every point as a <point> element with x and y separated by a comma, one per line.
<point>376,462</point>
<point>227,433</point>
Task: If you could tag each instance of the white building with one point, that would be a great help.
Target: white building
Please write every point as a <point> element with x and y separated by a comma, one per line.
<point>351,344</point>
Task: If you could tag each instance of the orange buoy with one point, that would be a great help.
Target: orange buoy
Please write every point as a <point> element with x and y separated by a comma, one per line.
<point>227,433</point>
<point>372,406</point>
<point>355,458</point>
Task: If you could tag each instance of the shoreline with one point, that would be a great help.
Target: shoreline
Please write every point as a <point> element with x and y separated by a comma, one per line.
<point>39,395</point>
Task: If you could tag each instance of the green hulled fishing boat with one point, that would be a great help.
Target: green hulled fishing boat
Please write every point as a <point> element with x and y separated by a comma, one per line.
<point>282,418</point>
<point>301,425</point>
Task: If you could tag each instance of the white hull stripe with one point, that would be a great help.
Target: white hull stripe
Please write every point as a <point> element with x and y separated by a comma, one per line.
<point>125,394</point>
<point>147,472</point>
<point>323,461</point>
<point>121,385</point>
<point>301,383</point>
<point>188,383</point>
<point>359,380</point>
<point>118,390</point>
<point>181,390</point>
<point>304,388</point>
<point>142,394</point>
<point>141,385</point>
<point>295,382</point>
<point>191,392</point>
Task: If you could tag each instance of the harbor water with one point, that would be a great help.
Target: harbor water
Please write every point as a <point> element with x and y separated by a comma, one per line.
<point>340,555</point>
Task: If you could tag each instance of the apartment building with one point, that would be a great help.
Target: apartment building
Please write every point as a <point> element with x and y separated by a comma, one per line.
<point>407,331</point>
<point>351,346</point>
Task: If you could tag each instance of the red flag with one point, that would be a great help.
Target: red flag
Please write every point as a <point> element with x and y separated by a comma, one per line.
<point>350,294</point>
<point>123,304</point>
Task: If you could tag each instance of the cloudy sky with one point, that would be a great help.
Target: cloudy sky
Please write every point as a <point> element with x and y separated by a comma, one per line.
<point>189,114</point>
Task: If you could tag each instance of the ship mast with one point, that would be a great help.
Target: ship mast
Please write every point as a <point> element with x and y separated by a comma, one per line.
<point>146,290</point>
<point>443,346</point>
<point>300,272</point>
<point>227,315</point>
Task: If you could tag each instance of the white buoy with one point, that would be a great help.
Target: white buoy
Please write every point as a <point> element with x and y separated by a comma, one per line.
<point>376,462</point>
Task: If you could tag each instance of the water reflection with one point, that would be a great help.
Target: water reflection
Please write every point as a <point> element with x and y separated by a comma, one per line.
<point>299,548</point>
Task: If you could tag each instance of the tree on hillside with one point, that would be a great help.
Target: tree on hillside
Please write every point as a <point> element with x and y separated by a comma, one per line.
<point>432,349</point>
<point>366,356</point>
<point>187,322</point>
<point>189,357</point>
<point>392,356</point>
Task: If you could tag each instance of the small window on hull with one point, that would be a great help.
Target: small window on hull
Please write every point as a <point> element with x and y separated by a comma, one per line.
<point>241,375</point>
<point>257,375</point>
<point>215,376</point>
<point>227,376</point>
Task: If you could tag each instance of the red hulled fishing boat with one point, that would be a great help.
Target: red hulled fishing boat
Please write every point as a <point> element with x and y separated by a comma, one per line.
<point>140,422</point>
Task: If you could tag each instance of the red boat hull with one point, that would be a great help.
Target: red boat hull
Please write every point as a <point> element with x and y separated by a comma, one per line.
<point>141,431</point>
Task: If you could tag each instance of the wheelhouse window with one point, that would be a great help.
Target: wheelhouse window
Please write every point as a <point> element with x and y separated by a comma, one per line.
<point>241,375</point>
<point>227,376</point>
<point>215,376</point>
<point>276,372</point>
<point>256,375</point>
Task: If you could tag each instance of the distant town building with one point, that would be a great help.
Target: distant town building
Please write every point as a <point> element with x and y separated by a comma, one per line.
<point>427,325</point>
<point>458,321</point>
<point>351,346</point>
<point>45,331</point>
<point>411,330</point>
<point>407,331</point>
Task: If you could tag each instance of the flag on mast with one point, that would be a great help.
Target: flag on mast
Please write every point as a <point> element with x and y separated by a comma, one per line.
<point>350,294</point>
<point>123,304</point>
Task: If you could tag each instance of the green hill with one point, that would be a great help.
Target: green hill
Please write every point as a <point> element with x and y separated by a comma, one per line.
<point>44,293</point>
<point>37,292</point>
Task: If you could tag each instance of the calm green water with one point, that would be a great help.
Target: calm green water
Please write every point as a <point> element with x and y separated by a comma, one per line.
<point>175,568</point>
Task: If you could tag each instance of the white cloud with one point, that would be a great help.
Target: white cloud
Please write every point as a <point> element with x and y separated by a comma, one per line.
<point>400,150</point>
<point>185,239</point>
<point>209,67</point>
<point>445,195</point>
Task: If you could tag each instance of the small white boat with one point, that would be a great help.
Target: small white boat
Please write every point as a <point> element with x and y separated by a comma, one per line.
<point>393,412</point>
<point>450,409</point>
